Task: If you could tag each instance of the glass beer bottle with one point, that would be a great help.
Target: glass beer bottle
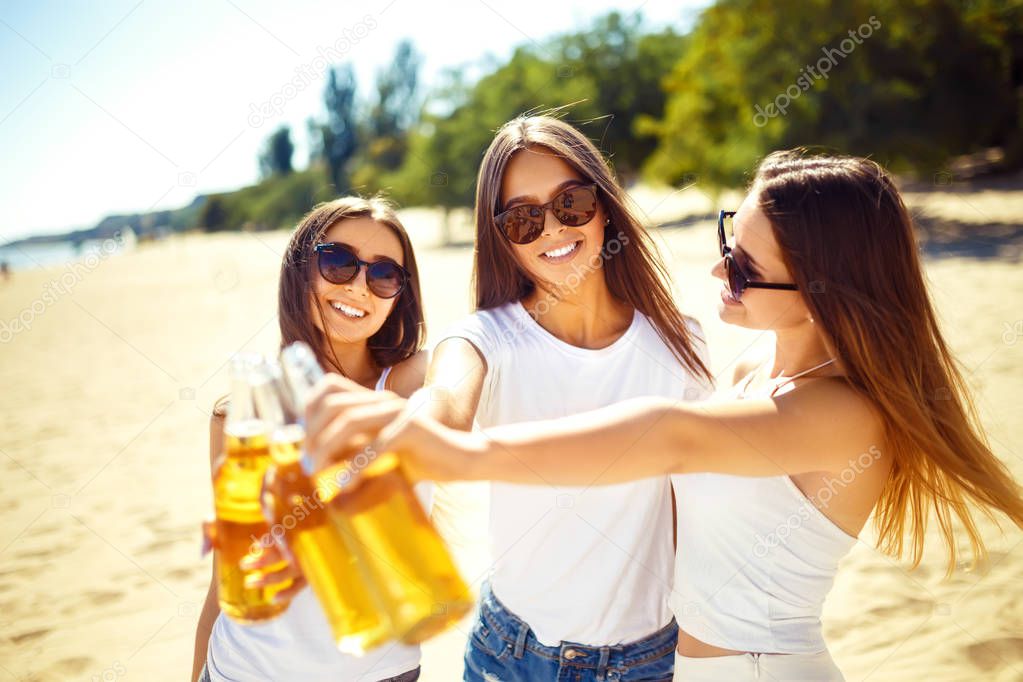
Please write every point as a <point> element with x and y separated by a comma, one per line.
<point>356,620</point>
<point>241,528</point>
<point>397,547</point>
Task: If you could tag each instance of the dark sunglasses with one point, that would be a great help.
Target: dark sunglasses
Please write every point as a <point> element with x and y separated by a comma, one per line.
<point>338,265</point>
<point>573,207</point>
<point>738,280</point>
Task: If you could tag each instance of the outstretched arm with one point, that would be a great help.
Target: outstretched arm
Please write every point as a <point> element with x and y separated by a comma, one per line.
<point>818,427</point>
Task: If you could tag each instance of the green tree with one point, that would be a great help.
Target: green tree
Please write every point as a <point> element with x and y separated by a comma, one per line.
<point>213,214</point>
<point>625,66</point>
<point>910,84</point>
<point>390,119</point>
<point>276,156</point>
<point>338,135</point>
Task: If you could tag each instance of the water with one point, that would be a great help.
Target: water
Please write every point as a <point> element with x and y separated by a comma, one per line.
<point>49,254</point>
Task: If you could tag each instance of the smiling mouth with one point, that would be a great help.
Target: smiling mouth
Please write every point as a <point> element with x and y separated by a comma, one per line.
<point>562,253</point>
<point>348,311</point>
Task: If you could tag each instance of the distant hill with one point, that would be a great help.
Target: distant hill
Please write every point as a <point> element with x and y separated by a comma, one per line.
<point>146,225</point>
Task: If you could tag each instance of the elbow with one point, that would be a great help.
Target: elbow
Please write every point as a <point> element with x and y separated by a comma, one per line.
<point>659,440</point>
<point>672,431</point>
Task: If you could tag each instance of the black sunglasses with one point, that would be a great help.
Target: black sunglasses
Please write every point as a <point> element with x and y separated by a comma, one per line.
<point>738,280</point>
<point>573,207</point>
<point>338,265</point>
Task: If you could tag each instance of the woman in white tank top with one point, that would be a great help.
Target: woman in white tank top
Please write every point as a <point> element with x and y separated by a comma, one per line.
<point>860,410</point>
<point>349,288</point>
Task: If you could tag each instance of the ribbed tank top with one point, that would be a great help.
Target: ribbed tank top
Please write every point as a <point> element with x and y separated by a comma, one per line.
<point>756,559</point>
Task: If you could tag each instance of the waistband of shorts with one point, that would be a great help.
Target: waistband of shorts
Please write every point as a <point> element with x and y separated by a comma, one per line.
<point>517,632</point>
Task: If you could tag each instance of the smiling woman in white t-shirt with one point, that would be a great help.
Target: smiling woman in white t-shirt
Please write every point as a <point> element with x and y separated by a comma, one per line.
<point>572,313</point>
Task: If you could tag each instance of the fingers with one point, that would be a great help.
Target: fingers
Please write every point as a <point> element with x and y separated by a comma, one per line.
<point>350,430</point>
<point>271,576</point>
<point>290,592</point>
<point>332,405</point>
<point>264,557</point>
<point>209,536</point>
<point>332,384</point>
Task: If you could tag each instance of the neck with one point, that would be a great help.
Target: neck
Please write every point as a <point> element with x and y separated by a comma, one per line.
<point>356,362</point>
<point>587,316</point>
<point>797,349</point>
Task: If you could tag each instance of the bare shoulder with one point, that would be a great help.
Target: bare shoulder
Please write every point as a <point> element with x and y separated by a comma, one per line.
<point>832,406</point>
<point>459,349</point>
<point>408,375</point>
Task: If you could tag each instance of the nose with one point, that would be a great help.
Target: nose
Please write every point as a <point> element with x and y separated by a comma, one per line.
<point>551,225</point>
<point>718,270</point>
<point>358,285</point>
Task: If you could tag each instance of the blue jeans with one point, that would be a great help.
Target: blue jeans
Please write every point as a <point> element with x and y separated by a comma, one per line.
<point>502,647</point>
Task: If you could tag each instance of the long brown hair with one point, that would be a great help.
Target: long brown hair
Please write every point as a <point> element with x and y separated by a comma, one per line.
<point>403,332</point>
<point>635,274</point>
<point>848,240</point>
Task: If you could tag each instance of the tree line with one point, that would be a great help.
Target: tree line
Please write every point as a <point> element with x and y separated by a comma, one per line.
<point>913,84</point>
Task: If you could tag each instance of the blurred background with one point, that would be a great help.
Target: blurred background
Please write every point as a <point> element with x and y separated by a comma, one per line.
<point>157,156</point>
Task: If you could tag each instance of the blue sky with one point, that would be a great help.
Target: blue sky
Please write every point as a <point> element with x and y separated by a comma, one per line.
<point>125,106</point>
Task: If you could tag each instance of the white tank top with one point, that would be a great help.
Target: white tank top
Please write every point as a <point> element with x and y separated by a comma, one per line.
<point>756,558</point>
<point>297,645</point>
<point>587,564</point>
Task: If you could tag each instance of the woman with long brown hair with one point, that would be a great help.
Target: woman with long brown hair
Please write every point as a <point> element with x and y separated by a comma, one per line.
<point>573,312</point>
<point>861,410</point>
<point>349,287</point>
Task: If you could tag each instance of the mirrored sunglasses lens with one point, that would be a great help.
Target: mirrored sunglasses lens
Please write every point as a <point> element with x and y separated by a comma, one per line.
<point>385,279</point>
<point>523,224</point>
<point>735,278</point>
<point>337,265</point>
<point>575,206</point>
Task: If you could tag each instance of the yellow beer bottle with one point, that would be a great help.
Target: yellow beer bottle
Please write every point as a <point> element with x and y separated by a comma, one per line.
<point>300,517</point>
<point>398,549</point>
<point>241,528</point>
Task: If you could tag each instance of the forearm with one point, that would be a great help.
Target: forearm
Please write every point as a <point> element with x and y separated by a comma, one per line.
<point>622,442</point>
<point>821,428</point>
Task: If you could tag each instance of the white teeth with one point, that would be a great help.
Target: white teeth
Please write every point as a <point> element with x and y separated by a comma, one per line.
<point>563,251</point>
<point>347,310</point>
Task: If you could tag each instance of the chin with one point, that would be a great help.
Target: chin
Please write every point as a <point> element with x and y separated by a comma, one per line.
<point>730,315</point>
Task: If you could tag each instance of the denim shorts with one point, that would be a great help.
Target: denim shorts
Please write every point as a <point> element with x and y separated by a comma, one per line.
<point>503,647</point>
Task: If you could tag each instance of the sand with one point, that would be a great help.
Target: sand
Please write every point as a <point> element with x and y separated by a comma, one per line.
<point>104,453</point>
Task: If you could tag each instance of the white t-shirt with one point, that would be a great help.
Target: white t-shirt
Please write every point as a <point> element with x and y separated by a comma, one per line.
<point>298,645</point>
<point>591,565</point>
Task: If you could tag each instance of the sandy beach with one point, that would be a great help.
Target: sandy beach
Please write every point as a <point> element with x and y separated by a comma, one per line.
<point>110,376</point>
